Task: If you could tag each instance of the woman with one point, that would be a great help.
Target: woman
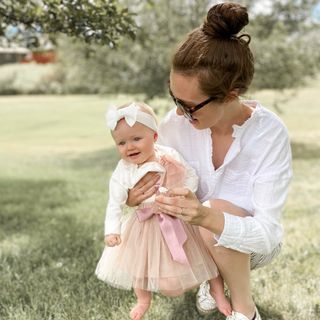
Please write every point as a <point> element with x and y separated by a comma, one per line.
<point>239,149</point>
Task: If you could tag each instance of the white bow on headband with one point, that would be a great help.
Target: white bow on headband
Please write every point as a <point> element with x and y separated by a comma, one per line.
<point>131,114</point>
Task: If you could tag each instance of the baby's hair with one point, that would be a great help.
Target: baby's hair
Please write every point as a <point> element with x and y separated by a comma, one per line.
<point>142,107</point>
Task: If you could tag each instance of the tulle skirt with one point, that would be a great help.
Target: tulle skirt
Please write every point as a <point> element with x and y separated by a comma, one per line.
<point>143,260</point>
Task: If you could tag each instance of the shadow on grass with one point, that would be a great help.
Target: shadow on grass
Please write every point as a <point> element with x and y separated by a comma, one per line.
<point>25,204</point>
<point>269,314</point>
<point>186,309</point>
<point>52,275</point>
<point>305,151</point>
<point>102,159</point>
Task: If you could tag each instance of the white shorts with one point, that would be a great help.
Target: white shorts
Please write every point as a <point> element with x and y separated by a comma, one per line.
<point>258,260</point>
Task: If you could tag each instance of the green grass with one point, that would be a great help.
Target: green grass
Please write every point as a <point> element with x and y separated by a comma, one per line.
<point>56,157</point>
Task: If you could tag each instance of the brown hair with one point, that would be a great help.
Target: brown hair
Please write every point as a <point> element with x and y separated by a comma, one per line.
<point>216,53</point>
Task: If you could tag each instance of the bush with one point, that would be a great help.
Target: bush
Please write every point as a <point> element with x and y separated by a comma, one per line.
<point>30,79</point>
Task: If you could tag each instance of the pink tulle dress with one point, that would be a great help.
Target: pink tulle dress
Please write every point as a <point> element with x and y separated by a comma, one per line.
<point>158,253</point>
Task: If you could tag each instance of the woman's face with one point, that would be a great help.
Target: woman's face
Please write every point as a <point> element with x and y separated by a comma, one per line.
<point>186,89</point>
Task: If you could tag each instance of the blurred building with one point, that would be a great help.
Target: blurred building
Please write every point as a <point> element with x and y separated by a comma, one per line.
<point>48,56</point>
<point>13,55</point>
<point>24,55</point>
<point>20,45</point>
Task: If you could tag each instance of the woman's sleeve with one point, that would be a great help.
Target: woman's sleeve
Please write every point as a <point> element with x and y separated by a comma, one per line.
<point>118,195</point>
<point>263,231</point>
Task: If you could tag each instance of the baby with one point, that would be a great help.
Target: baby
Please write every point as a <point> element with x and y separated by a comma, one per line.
<point>150,251</point>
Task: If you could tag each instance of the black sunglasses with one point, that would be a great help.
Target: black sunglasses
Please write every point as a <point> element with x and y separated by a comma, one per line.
<point>188,111</point>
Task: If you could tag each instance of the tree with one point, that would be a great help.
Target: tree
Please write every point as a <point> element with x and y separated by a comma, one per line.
<point>139,66</point>
<point>285,43</point>
<point>94,21</point>
<point>279,38</point>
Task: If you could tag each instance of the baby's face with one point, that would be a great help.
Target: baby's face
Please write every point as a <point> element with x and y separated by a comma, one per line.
<point>135,144</point>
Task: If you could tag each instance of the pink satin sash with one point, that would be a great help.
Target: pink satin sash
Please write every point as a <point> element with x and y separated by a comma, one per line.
<point>172,231</point>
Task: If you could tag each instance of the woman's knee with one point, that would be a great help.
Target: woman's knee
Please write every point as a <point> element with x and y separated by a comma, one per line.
<point>208,239</point>
<point>223,255</point>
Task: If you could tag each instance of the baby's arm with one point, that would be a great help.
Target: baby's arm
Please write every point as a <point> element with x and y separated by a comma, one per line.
<point>118,195</point>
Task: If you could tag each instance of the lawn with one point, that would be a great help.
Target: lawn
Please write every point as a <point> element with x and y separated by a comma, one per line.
<point>56,157</point>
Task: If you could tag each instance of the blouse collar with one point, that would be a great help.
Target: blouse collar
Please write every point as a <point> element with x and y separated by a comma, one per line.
<point>239,129</point>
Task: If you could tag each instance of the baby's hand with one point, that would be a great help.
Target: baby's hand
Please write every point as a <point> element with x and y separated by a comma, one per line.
<point>112,240</point>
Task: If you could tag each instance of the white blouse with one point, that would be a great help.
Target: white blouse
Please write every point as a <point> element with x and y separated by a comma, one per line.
<point>127,174</point>
<point>255,174</point>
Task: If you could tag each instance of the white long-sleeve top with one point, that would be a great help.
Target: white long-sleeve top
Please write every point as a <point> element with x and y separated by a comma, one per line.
<point>127,174</point>
<point>255,174</point>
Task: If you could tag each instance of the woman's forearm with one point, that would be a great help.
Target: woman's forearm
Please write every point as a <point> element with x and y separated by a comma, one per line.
<point>213,217</point>
<point>213,220</point>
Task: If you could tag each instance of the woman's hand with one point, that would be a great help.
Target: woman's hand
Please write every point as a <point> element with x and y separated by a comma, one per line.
<point>144,189</point>
<point>112,240</point>
<point>183,204</point>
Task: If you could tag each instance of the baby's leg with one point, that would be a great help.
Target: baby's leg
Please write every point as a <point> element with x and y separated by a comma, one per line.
<point>217,291</point>
<point>143,304</point>
<point>216,284</point>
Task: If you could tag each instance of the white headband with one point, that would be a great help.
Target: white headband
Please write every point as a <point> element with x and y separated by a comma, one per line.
<point>131,114</point>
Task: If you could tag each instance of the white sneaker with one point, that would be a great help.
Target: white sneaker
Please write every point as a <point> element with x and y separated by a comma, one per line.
<point>239,316</point>
<point>205,303</point>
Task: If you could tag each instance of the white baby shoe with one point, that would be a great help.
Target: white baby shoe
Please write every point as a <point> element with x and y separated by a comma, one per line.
<point>205,303</point>
<point>239,316</point>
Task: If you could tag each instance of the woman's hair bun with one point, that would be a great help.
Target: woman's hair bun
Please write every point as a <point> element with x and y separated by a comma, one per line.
<point>225,20</point>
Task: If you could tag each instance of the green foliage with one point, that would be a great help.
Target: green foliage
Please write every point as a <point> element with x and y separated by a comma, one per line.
<point>94,21</point>
<point>283,63</point>
<point>140,66</point>
<point>291,16</point>
<point>30,79</point>
<point>284,42</point>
